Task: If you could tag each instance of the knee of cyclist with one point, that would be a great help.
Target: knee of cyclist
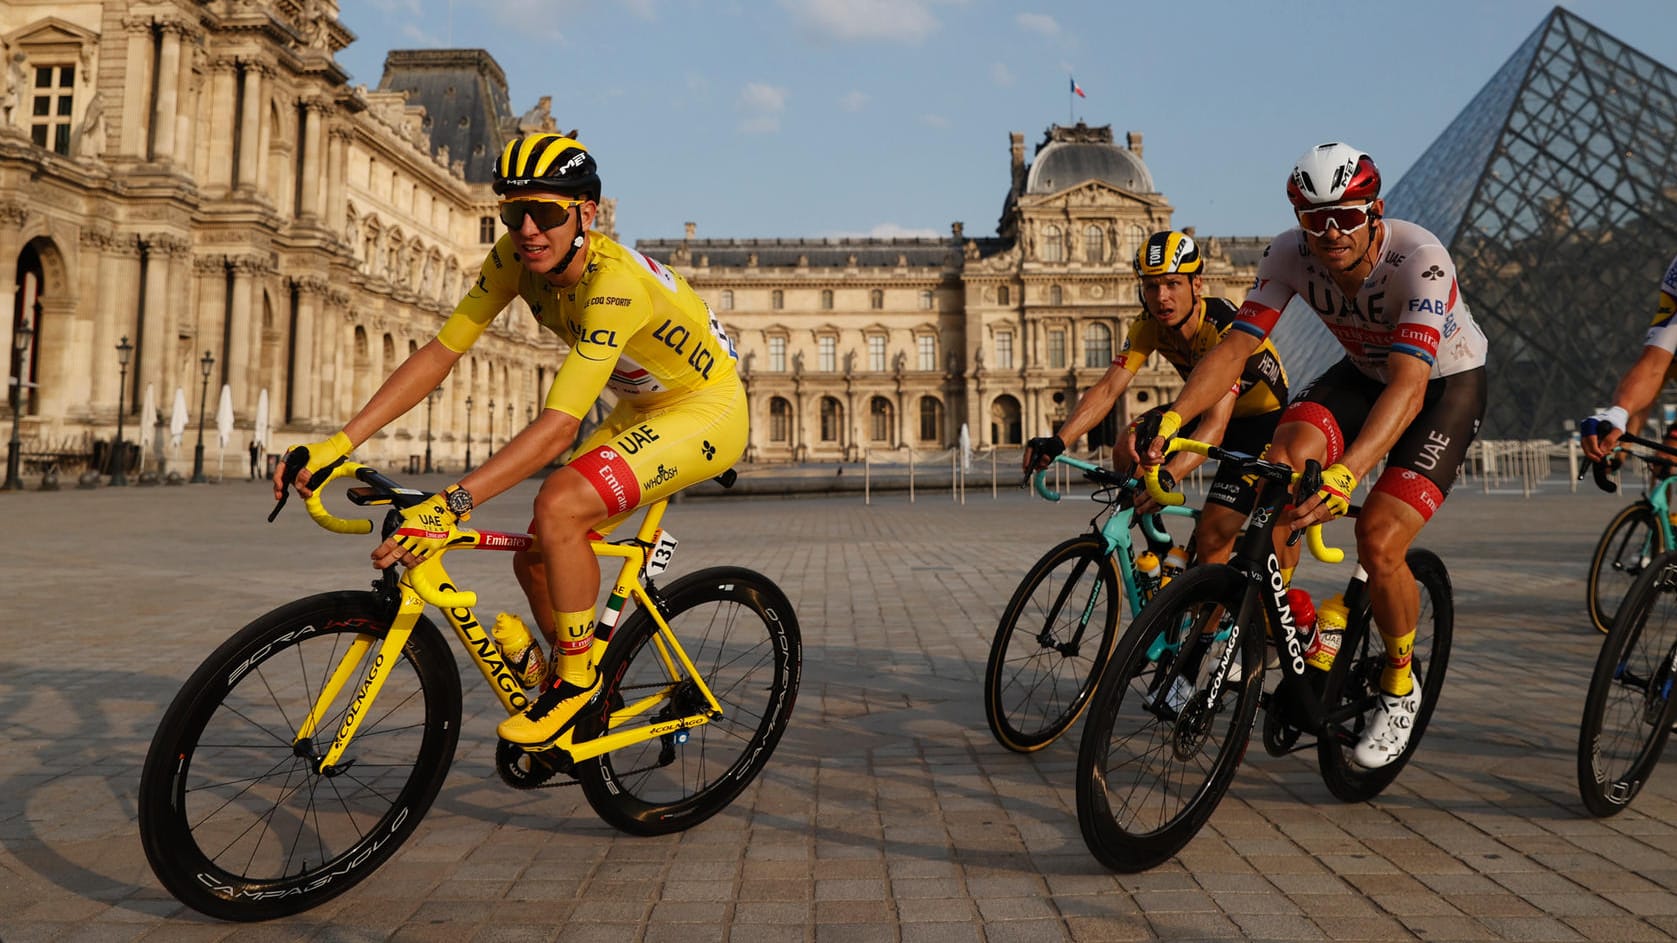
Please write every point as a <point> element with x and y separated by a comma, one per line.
<point>1381,552</point>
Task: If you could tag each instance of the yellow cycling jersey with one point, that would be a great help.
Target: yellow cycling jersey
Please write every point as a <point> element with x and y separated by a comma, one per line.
<point>1263,382</point>
<point>633,326</point>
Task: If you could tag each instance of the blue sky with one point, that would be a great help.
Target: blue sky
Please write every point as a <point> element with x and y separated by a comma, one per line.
<point>812,118</point>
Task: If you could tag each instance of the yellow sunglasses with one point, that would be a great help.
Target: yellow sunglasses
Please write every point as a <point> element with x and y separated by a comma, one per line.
<point>548,212</point>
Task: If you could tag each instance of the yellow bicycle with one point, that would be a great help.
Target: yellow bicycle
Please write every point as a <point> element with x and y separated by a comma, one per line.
<point>308,747</point>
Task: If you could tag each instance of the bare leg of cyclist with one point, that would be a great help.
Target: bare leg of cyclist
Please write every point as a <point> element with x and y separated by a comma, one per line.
<point>1385,529</point>
<point>1214,537</point>
<point>567,506</point>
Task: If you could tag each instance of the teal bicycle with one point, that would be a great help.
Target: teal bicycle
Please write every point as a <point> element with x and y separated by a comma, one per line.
<point>1637,534</point>
<point>1062,622</point>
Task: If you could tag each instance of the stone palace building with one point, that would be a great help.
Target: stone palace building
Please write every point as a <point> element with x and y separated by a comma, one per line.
<point>194,197</point>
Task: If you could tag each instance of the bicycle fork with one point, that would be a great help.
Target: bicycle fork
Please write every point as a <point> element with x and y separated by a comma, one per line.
<point>389,650</point>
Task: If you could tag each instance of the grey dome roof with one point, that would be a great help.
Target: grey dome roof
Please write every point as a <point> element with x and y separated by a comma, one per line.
<point>1062,164</point>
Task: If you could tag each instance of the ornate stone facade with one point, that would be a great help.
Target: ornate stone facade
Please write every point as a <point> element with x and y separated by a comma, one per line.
<point>201,177</point>
<point>855,346</point>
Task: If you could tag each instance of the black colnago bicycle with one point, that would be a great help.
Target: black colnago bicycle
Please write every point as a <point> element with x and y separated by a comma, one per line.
<point>1629,709</point>
<point>1175,706</point>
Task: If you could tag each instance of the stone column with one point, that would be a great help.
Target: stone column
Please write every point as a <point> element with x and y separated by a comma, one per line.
<point>315,164</point>
<point>236,362</point>
<point>136,85</point>
<point>303,373</point>
<point>189,84</point>
<point>224,86</point>
<point>250,129</point>
<point>337,169</point>
<point>161,249</point>
<point>167,105</point>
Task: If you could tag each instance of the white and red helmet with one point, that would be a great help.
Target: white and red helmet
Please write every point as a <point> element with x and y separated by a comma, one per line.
<point>1332,173</point>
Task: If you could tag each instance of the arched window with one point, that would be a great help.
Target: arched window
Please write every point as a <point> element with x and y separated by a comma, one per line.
<point>827,299</point>
<point>931,419</point>
<point>777,300</point>
<point>727,299</point>
<point>1053,245</point>
<point>926,299</point>
<point>880,415</point>
<point>876,299</point>
<point>780,420</point>
<point>1056,295</point>
<point>832,419</point>
<point>1094,244</point>
<point>1005,425</point>
<point>1002,296</point>
<point>1097,345</point>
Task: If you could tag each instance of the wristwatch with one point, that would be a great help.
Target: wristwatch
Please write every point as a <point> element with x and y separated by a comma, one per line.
<point>459,501</point>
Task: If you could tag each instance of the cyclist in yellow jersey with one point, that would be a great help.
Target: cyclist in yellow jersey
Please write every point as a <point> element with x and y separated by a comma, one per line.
<point>1183,325</point>
<point>635,328</point>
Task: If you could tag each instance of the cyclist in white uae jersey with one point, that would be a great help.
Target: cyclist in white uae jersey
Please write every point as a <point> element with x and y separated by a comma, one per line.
<point>1642,382</point>
<point>1411,389</point>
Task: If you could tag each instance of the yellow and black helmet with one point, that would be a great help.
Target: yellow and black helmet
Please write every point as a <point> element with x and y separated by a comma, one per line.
<point>1169,252</point>
<point>549,163</point>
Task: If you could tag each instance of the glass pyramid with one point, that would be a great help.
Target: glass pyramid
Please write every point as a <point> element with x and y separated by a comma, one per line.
<point>1555,191</point>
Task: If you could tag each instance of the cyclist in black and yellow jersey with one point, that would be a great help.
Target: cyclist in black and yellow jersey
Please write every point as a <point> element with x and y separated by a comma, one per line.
<point>633,327</point>
<point>1182,324</point>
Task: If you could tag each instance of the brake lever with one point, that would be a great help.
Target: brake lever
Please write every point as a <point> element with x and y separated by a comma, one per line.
<point>1310,482</point>
<point>294,462</point>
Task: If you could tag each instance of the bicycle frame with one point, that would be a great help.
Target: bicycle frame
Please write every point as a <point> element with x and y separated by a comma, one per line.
<point>1115,530</point>
<point>429,583</point>
<point>1254,558</point>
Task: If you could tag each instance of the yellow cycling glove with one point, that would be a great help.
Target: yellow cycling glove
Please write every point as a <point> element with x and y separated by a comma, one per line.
<point>1169,425</point>
<point>425,527</point>
<point>1337,485</point>
<point>322,454</point>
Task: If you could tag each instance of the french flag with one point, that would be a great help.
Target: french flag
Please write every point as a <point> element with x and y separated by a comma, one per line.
<point>1077,89</point>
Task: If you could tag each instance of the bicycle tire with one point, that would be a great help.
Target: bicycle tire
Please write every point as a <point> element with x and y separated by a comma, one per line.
<point>1149,776</point>
<point>741,633</point>
<point>1628,711</point>
<point>1037,682</point>
<point>1352,686</point>
<point>1630,540</point>
<point>235,821</point>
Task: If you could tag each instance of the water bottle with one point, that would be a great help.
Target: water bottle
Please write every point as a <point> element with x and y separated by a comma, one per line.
<point>1331,616</point>
<point>1147,565</point>
<point>1304,614</point>
<point>1175,562</point>
<point>519,649</point>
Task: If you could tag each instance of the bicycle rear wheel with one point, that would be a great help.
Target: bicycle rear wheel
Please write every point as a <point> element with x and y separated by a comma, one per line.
<point>742,635</point>
<point>1631,540</point>
<point>235,819</point>
<point>1052,642</point>
<point>1629,709</point>
<point>1167,729</point>
<point>1351,692</point>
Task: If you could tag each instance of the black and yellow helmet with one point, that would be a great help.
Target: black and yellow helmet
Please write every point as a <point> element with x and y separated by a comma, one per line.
<point>549,163</point>
<point>1169,252</point>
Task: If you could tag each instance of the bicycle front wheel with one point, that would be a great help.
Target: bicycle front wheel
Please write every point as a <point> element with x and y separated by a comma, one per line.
<point>1052,642</point>
<point>1629,709</point>
<point>1352,690</point>
<point>742,635</point>
<point>1169,722</point>
<point>1632,539</point>
<point>235,817</point>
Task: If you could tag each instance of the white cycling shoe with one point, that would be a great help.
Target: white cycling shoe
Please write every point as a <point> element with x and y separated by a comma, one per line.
<point>1388,731</point>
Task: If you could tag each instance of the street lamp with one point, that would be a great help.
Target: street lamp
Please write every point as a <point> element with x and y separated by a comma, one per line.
<point>205,365</point>
<point>14,449</point>
<point>430,400</point>
<point>468,433</point>
<point>124,351</point>
<point>491,428</point>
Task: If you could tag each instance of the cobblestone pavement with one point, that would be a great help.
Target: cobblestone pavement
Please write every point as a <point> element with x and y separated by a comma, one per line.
<point>888,812</point>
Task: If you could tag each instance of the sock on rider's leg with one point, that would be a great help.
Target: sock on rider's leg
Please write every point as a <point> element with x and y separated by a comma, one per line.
<point>1396,677</point>
<point>576,637</point>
